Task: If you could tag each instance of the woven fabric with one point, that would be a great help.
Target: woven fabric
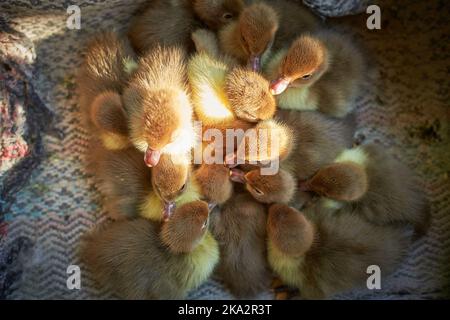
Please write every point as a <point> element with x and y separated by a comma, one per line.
<point>404,106</point>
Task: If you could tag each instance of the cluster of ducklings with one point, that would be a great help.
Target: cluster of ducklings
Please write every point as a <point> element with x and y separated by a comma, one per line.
<point>331,210</point>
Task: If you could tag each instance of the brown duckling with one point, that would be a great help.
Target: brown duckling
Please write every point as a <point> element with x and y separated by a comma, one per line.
<point>323,252</point>
<point>157,105</point>
<point>371,182</point>
<point>106,68</point>
<point>140,259</point>
<point>320,71</point>
<point>240,229</point>
<point>304,142</point>
<point>171,23</point>
<point>262,25</point>
<point>131,189</point>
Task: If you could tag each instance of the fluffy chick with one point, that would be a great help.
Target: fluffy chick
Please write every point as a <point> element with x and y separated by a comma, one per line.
<point>303,142</point>
<point>262,25</point>
<point>240,229</point>
<point>277,188</point>
<point>216,14</point>
<point>101,78</point>
<point>172,22</point>
<point>214,183</point>
<point>321,71</point>
<point>374,185</point>
<point>217,93</point>
<point>131,189</point>
<point>139,259</point>
<point>323,253</point>
<point>250,37</point>
<point>157,105</point>
<point>342,181</point>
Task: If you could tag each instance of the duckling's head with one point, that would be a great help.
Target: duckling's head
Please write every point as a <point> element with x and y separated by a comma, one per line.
<point>289,230</point>
<point>277,188</point>
<point>186,228</point>
<point>159,122</point>
<point>343,181</point>
<point>169,180</point>
<point>304,63</point>
<point>216,14</point>
<point>249,95</point>
<point>214,182</point>
<point>258,24</point>
<point>269,141</point>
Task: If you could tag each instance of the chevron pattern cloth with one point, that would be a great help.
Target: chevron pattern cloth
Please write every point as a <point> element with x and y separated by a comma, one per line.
<point>404,106</point>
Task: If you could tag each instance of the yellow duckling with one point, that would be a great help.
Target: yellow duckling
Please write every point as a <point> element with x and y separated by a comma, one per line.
<point>222,95</point>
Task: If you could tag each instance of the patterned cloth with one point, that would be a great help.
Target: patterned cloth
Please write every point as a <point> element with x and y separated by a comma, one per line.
<point>48,202</point>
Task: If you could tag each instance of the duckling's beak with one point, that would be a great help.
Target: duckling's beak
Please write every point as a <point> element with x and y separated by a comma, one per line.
<point>151,157</point>
<point>238,176</point>
<point>279,85</point>
<point>255,63</point>
<point>169,208</point>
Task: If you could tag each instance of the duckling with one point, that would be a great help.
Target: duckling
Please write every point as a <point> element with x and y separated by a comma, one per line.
<point>248,96</point>
<point>141,259</point>
<point>171,22</point>
<point>270,140</point>
<point>250,37</point>
<point>105,70</point>
<point>323,252</point>
<point>170,179</point>
<point>214,183</point>
<point>342,181</point>
<point>369,181</point>
<point>321,71</point>
<point>278,188</point>
<point>131,189</point>
<point>295,19</point>
<point>216,14</point>
<point>157,105</point>
<point>218,95</point>
<point>240,229</point>
<point>262,25</point>
<point>306,142</point>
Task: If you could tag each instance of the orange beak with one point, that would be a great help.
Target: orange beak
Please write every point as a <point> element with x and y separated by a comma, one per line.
<point>279,85</point>
<point>237,175</point>
<point>151,157</point>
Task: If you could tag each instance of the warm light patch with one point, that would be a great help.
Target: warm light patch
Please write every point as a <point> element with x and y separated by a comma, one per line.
<point>207,78</point>
<point>356,155</point>
<point>112,141</point>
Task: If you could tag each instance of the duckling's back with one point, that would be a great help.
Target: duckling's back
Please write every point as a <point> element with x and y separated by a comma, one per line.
<point>128,257</point>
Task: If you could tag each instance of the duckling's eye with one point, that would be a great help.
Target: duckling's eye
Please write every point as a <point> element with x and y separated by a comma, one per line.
<point>307,76</point>
<point>258,192</point>
<point>183,188</point>
<point>227,16</point>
